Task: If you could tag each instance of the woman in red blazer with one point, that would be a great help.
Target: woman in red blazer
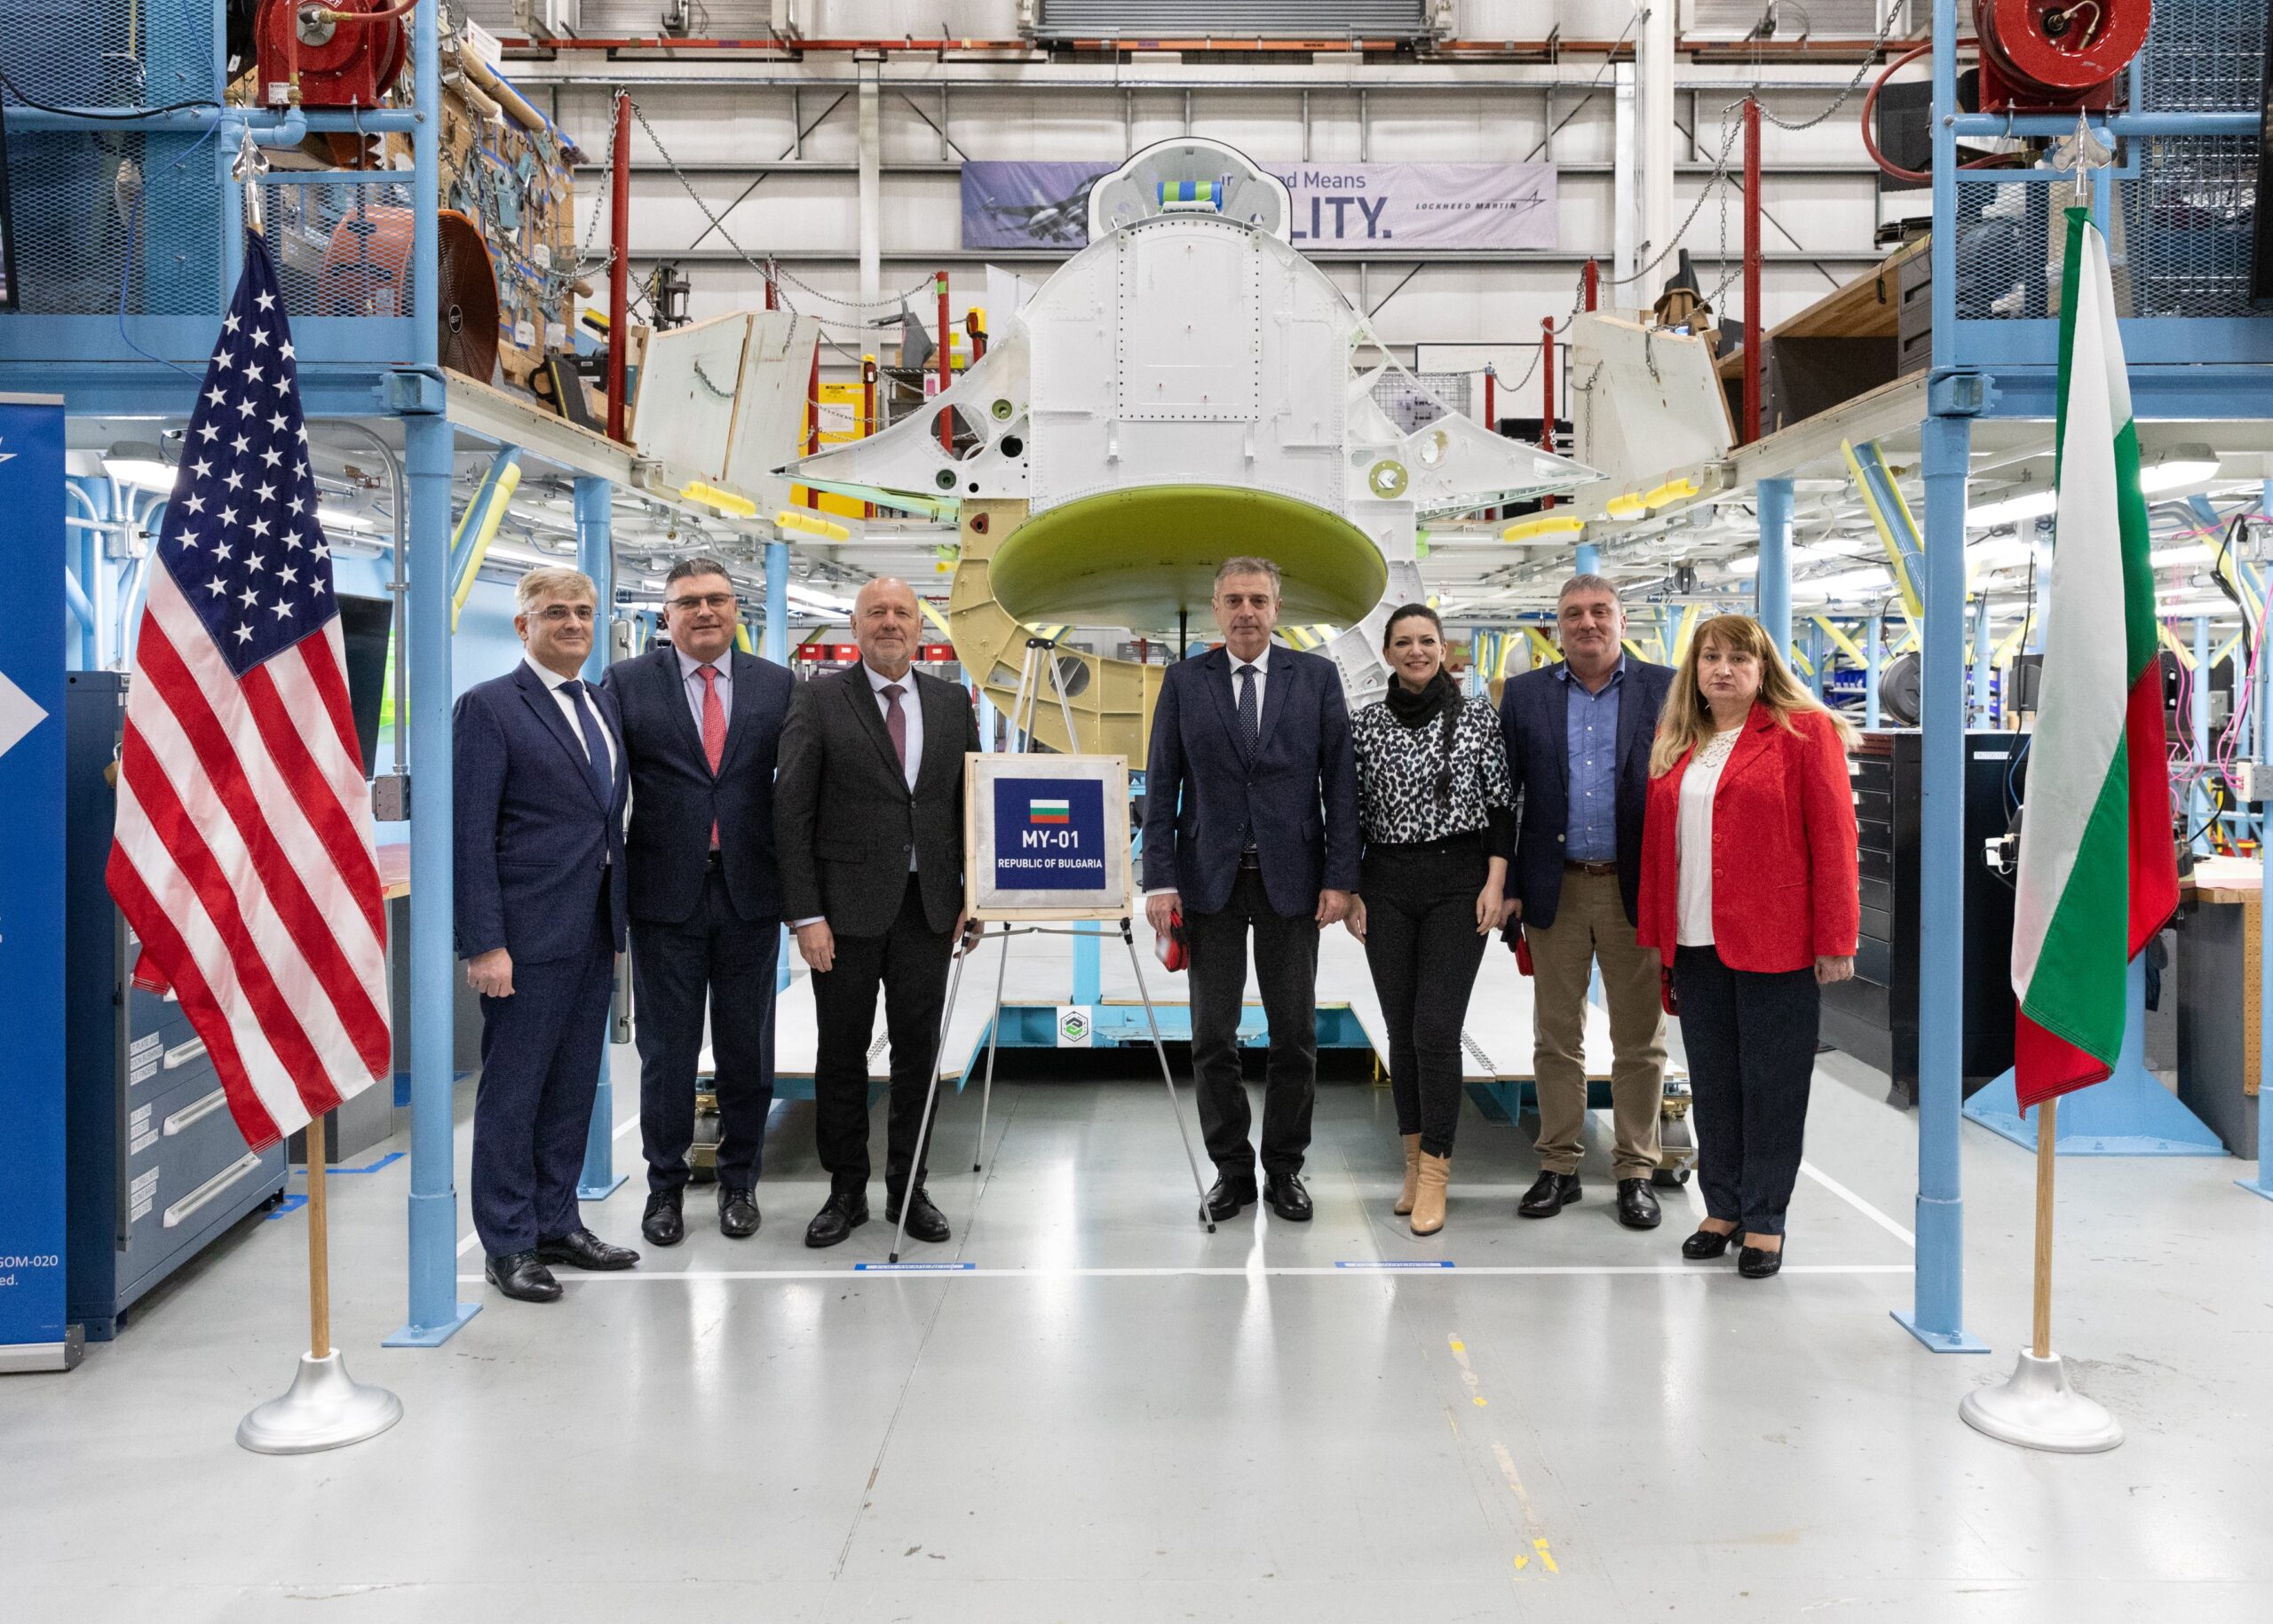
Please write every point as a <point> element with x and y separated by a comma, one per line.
<point>1748,893</point>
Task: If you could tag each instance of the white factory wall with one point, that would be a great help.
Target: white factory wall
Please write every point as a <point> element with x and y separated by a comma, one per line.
<point>812,219</point>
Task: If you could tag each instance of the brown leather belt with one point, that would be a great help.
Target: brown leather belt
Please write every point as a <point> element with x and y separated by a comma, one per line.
<point>1597,869</point>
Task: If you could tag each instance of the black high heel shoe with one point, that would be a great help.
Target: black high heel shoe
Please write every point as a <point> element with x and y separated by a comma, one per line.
<point>1706,1245</point>
<point>1758,1263</point>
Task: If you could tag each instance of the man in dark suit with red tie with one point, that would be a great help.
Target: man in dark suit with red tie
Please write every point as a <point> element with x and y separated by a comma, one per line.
<point>702,722</point>
<point>868,826</point>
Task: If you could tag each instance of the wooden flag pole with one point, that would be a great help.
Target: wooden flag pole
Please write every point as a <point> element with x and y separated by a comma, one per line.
<point>2047,1135</point>
<point>319,1249</point>
<point>325,1407</point>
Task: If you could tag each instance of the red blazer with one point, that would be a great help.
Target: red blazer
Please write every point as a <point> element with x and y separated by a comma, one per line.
<point>1784,883</point>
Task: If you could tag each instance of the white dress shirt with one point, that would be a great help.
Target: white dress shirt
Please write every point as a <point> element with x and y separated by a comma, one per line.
<point>552,681</point>
<point>688,666</point>
<point>1693,840</point>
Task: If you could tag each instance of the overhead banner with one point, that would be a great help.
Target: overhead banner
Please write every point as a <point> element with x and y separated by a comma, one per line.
<point>1504,207</point>
<point>33,1336</point>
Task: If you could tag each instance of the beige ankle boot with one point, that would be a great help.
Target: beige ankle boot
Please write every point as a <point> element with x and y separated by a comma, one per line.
<point>1411,1173</point>
<point>1428,1199</point>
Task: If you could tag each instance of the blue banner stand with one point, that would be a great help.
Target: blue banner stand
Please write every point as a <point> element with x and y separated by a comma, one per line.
<point>32,1333</point>
<point>2130,1114</point>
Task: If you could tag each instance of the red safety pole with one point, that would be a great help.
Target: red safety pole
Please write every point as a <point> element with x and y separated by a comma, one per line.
<point>812,422</point>
<point>1492,399</point>
<point>1547,383</point>
<point>946,366</point>
<point>868,414</point>
<point>619,269</point>
<point>1591,281</point>
<point>773,293</point>
<point>1755,329</point>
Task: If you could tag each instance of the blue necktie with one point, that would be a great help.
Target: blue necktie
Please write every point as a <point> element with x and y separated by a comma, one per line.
<point>1250,715</point>
<point>596,758</point>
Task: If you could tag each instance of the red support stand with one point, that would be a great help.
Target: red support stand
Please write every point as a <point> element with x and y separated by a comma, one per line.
<point>1754,328</point>
<point>947,367</point>
<point>619,267</point>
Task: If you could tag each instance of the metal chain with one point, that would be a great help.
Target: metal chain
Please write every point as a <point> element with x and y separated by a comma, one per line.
<point>1862,72</point>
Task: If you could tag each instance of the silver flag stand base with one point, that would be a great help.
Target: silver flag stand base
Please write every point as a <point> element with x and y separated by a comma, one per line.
<point>2036,1408</point>
<point>325,1409</point>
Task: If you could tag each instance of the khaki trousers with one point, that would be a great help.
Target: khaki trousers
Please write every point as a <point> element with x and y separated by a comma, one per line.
<point>1590,925</point>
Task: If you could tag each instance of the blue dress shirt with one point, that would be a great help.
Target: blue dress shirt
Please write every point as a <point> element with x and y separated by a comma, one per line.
<point>1590,734</point>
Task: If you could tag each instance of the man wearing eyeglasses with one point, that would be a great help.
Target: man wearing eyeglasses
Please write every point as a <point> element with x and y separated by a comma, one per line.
<point>702,722</point>
<point>538,806</point>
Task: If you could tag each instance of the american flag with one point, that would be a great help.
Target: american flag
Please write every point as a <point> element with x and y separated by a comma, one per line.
<point>242,854</point>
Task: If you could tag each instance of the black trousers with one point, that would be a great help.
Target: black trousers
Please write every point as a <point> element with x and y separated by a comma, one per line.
<point>909,965</point>
<point>1286,965</point>
<point>1422,944</point>
<point>540,1056</point>
<point>715,957</point>
<point>1751,1039</point>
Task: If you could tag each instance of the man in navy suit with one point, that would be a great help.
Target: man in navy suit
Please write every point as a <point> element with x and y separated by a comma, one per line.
<point>1578,737</point>
<point>1251,824</point>
<point>539,788</point>
<point>701,720</point>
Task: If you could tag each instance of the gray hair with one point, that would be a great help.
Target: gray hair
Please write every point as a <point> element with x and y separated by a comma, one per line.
<point>1588,583</point>
<point>698,564</point>
<point>1248,567</point>
<point>549,581</point>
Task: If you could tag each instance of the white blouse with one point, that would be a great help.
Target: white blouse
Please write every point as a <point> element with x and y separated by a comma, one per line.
<point>1693,839</point>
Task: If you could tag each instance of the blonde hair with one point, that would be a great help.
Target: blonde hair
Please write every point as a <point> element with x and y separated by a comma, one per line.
<point>551,581</point>
<point>1687,719</point>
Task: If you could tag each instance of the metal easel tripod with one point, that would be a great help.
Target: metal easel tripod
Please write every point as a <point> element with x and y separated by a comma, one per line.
<point>1038,656</point>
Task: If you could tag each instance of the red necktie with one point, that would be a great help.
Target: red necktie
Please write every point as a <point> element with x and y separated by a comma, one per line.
<point>714,730</point>
<point>896,723</point>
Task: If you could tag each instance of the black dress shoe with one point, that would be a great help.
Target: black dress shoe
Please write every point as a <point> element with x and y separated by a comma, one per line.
<point>1707,1245</point>
<point>838,1217</point>
<point>1758,1263</point>
<point>1224,1199</point>
<point>664,1223</point>
<point>1637,1208</point>
<point>521,1277</point>
<point>579,1249</point>
<point>737,1212</point>
<point>1288,1198</point>
<point>925,1222</point>
<point>1549,1193</point>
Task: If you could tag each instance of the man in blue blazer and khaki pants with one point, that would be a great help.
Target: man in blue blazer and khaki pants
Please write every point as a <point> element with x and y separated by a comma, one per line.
<point>701,727</point>
<point>538,798</point>
<point>1251,826</point>
<point>1578,737</point>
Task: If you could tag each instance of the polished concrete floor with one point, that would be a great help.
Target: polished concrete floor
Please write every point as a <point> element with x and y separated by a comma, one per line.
<point>1114,1417</point>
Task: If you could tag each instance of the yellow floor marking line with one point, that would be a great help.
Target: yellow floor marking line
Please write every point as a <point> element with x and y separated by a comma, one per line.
<point>1467,1371</point>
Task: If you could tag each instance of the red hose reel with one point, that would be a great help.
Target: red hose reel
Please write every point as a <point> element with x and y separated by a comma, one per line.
<point>349,60</point>
<point>2057,56</point>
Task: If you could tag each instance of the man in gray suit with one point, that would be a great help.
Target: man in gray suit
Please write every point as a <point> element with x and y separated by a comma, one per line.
<point>867,817</point>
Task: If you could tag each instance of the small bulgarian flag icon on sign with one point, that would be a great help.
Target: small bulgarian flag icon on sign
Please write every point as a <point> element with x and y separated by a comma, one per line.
<point>1049,812</point>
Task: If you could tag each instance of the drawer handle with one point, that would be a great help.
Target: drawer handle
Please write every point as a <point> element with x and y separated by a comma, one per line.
<point>182,1054</point>
<point>211,1187</point>
<point>197,1111</point>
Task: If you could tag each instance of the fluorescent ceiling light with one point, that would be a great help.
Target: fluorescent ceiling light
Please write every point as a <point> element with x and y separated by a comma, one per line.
<point>340,519</point>
<point>2006,552</point>
<point>144,471</point>
<point>2186,464</point>
<point>2023,505</point>
<point>1748,565</point>
<point>1851,580</point>
<point>806,598</point>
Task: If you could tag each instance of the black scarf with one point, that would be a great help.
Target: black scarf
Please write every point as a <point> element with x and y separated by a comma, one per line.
<point>1417,708</point>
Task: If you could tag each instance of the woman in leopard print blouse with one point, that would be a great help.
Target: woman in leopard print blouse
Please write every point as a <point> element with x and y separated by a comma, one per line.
<point>1438,810</point>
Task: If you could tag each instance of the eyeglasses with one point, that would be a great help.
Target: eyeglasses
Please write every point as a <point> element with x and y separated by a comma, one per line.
<point>554,614</point>
<point>718,603</point>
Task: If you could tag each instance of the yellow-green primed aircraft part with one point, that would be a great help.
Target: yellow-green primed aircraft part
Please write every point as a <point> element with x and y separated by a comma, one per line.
<point>1139,557</point>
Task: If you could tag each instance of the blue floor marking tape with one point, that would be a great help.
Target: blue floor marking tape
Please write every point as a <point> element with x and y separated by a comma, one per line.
<point>392,1157</point>
<point>910,1268</point>
<point>285,1208</point>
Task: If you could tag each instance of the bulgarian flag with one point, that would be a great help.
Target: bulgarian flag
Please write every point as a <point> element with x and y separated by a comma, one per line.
<point>2098,868</point>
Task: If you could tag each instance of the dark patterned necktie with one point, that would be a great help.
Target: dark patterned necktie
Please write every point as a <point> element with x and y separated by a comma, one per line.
<point>1250,714</point>
<point>896,723</point>
<point>596,756</point>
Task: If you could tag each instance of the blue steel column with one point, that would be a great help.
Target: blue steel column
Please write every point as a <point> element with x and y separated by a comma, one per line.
<point>1772,586</point>
<point>1875,631</point>
<point>1587,560</point>
<point>595,556</point>
<point>1938,1313</point>
<point>435,1310</point>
